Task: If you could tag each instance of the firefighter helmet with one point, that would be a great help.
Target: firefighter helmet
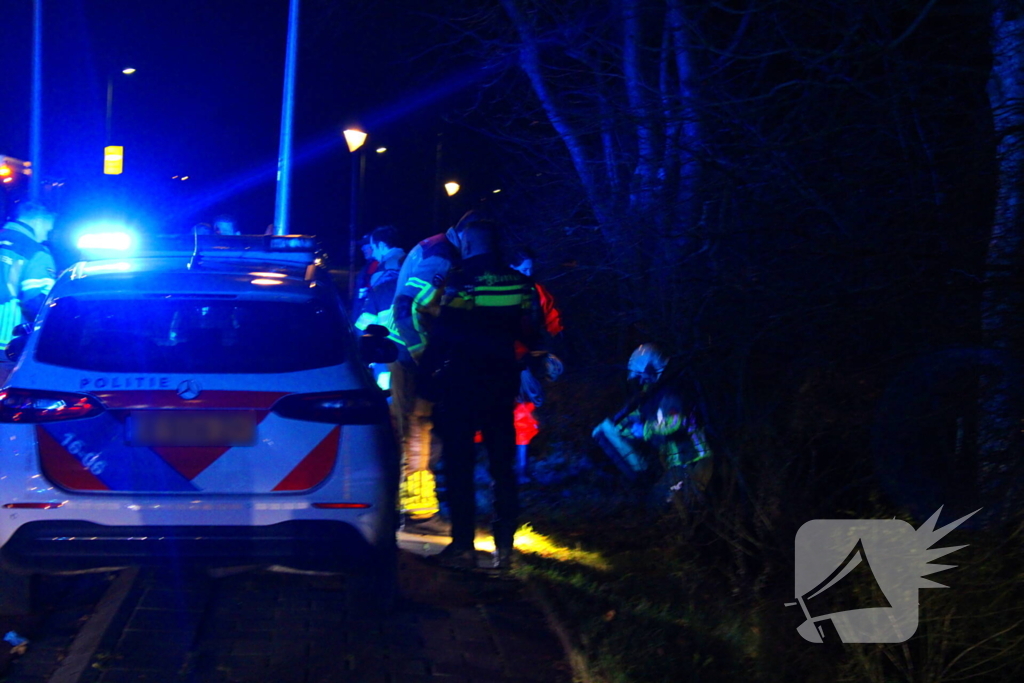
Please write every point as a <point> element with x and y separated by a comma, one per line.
<point>647,363</point>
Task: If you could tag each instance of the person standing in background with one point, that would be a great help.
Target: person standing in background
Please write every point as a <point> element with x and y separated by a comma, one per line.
<point>384,249</point>
<point>541,365</point>
<point>26,266</point>
<point>225,225</point>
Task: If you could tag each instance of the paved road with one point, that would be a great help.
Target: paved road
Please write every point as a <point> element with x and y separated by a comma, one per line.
<point>273,627</point>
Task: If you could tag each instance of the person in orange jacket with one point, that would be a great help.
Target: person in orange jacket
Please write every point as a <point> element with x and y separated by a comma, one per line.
<point>541,366</point>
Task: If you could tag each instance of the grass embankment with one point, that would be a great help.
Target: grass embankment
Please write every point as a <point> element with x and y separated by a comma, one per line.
<point>628,596</point>
<point>639,602</point>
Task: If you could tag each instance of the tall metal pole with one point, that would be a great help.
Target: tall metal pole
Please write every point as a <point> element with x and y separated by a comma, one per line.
<point>284,157</point>
<point>438,225</point>
<point>110,107</point>
<point>35,132</point>
<point>353,219</point>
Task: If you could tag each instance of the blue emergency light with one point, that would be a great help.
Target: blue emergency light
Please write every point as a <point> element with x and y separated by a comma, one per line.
<point>106,239</point>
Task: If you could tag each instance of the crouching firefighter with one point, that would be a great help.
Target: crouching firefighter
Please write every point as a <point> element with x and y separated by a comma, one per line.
<point>658,435</point>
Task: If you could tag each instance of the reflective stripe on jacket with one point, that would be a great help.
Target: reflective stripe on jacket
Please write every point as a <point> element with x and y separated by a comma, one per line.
<point>486,308</point>
<point>418,290</point>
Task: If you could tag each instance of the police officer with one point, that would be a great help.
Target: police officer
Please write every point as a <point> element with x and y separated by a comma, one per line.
<point>471,359</point>
<point>27,269</point>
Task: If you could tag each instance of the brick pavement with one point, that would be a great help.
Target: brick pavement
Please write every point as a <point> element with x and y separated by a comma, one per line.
<point>456,627</point>
<point>272,627</point>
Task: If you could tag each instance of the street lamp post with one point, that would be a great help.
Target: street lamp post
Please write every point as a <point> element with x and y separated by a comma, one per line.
<point>354,139</point>
<point>35,125</point>
<point>110,101</point>
<point>451,188</point>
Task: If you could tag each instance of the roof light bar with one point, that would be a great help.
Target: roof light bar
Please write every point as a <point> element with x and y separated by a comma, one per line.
<point>115,241</point>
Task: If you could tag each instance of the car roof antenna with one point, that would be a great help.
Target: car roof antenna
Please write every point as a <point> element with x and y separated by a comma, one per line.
<point>193,261</point>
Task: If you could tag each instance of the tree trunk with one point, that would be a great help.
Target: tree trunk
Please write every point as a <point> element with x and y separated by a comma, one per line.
<point>1003,299</point>
<point>645,177</point>
<point>529,59</point>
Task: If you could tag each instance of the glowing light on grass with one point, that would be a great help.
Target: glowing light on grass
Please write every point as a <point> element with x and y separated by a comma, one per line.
<point>529,541</point>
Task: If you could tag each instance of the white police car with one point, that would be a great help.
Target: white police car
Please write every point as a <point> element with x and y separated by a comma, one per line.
<point>204,402</point>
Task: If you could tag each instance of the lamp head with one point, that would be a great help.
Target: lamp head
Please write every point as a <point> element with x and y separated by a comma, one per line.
<point>354,138</point>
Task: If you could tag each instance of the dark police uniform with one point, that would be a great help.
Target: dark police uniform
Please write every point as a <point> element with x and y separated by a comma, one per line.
<point>470,360</point>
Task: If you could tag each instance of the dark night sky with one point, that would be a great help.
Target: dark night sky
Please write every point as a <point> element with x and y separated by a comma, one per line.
<point>206,102</point>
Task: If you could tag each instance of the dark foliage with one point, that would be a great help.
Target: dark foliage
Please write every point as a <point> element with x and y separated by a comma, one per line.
<point>797,199</point>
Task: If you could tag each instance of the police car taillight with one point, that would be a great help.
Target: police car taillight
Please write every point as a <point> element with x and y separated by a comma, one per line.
<point>356,407</point>
<point>33,406</point>
<point>35,506</point>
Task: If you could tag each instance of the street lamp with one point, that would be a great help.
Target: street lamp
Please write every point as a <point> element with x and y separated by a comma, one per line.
<point>354,139</point>
<point>451,187</point>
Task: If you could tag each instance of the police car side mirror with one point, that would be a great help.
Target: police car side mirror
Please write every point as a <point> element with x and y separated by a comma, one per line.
<point>375,347</point>
<point>17,343</point>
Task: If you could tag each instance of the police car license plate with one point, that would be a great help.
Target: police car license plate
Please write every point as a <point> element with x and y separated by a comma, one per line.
<point>192,428</point>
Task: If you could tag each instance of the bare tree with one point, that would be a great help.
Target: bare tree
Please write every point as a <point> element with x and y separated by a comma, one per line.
<point>1003,304</point>
<point>616,86</point>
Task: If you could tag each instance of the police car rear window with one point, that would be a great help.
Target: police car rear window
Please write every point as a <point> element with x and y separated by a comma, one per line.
<point>192,334</point>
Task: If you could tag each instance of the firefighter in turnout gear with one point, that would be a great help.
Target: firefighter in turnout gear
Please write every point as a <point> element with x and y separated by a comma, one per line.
<point>472,370</point>
<point>418,292</point>
<point>26,267</point>
<point>659,433</point>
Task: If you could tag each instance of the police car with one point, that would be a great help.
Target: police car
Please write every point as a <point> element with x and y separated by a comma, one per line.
<point>205,402</point>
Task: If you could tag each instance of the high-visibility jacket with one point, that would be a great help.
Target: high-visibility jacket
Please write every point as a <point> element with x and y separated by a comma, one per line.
<point>418,291</point>
<point>27,271</point>
<point>660,418</point>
